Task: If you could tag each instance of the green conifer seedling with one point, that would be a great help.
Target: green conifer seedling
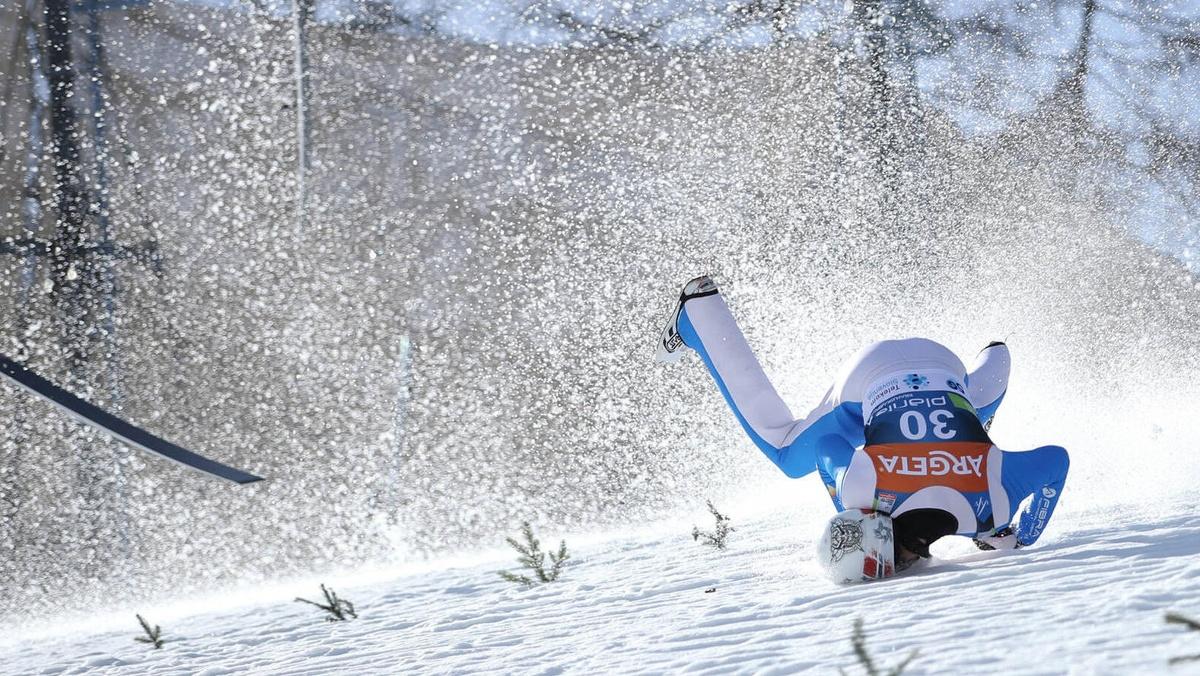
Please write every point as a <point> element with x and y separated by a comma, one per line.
<point>153,636</point>
<point>720,533</point>
<point>534,559</point>
<point>339,609</point>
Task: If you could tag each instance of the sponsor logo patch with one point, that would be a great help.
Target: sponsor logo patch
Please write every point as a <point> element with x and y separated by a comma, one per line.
<point>961,402</point>
<point>881,391</point>
<point>933,463</point>
<point>981,506</point>
<point>674,342</point>
<point>1043,509</point>
<point>885,501</point>
<point>909,401</point>
<point>916,381</point>
<point>902,383</point>
<point>909,467</point>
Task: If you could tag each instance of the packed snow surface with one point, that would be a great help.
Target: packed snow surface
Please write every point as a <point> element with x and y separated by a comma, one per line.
<point>456,336</point>
<point>1091,597</point>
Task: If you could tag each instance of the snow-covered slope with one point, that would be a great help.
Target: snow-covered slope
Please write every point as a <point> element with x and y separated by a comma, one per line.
<point>1090,598</point>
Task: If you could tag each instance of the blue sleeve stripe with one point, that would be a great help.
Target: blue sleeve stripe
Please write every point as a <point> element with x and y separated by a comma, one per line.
<point>986,413</point>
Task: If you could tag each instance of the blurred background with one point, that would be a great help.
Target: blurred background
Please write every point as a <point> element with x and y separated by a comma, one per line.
<point>409,260</point>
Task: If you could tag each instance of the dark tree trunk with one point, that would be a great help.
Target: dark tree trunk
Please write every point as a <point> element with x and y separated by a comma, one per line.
<point>77,289</point>
<point>881,136</point>
<point>302,10</point>
<point>67,264</point>
<point>1072,90</point>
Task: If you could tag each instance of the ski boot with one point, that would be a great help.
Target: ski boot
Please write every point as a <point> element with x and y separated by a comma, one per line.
<point>670,343</point>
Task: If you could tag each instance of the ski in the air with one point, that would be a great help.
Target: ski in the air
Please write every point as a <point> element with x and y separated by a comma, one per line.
<point>114,426</point>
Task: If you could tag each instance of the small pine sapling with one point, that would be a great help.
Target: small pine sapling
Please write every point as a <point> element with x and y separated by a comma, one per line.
<point>153,636</point>
<point>1176,618</point>
<point>534,559</point>
<point>339,609</point>
<point>858,640</point>
<point>719,534</point>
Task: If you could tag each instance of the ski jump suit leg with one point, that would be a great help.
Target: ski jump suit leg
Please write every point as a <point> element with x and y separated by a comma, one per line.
<point>707,326</point>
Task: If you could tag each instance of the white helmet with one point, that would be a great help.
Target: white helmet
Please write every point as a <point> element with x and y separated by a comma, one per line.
<point>858,545</point>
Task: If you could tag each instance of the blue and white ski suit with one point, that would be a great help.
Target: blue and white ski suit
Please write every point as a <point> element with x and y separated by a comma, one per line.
<point>903,427</point>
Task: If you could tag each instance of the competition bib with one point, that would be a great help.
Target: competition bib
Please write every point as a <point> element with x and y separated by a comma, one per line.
<point>927,438</point>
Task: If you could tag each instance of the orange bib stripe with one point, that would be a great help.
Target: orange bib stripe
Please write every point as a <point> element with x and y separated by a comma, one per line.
<point>909,467</point>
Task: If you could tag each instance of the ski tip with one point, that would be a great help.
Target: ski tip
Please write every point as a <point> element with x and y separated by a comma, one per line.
<point>250,479</point>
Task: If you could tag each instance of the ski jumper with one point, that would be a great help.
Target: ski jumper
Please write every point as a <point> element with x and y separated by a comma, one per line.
<point>903,427</point>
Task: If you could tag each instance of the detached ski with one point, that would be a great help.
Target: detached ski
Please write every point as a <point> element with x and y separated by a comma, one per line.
<point>106,422</point>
